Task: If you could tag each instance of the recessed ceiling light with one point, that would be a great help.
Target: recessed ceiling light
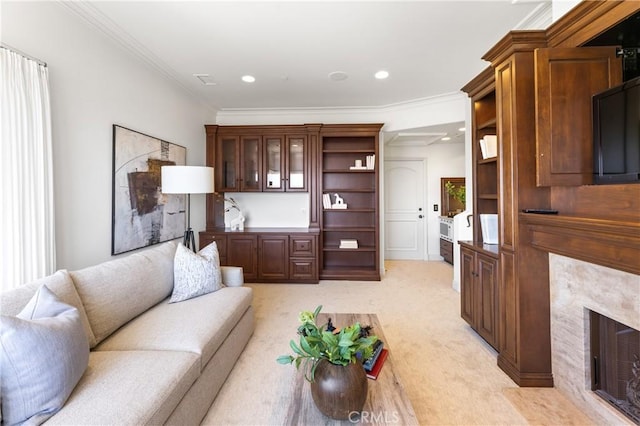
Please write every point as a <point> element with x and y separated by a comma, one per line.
<point>446,138</point>
<point>338,75</point>
<point>382,74</point>
<point>462,129</point>
<point>248,78</point>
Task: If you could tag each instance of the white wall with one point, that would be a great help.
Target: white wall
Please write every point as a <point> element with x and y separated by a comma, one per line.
<point>95,84</point>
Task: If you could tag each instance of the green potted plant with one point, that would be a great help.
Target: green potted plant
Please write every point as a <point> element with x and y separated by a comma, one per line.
<point>458,193</point>
<point>332,361</point>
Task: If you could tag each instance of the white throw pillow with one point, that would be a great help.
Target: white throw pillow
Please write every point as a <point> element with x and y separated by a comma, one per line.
<point>195,274</point>
<point>43,354</point>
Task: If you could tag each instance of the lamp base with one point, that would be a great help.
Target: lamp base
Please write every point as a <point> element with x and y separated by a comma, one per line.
<point>189,240</point>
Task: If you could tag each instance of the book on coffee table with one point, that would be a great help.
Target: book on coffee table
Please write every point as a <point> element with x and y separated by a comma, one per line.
<point>375,371</point>
<point>370,362</point>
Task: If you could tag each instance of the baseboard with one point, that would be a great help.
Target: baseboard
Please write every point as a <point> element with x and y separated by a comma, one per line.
<point>525,380</point>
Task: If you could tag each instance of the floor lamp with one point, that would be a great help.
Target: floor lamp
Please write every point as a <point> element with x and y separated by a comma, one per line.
<point>187,180</point>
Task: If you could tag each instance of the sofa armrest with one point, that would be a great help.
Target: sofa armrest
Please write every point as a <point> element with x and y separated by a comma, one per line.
<point>232,276</point>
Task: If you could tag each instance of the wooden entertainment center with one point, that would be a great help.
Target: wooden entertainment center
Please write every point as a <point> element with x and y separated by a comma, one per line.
<point>536,97</point>
<point>320,159</point>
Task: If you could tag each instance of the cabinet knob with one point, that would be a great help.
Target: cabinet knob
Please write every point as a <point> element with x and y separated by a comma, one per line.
<point>420,216</point>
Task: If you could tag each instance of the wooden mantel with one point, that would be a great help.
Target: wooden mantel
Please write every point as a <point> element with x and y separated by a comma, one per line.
<point>605,242</point>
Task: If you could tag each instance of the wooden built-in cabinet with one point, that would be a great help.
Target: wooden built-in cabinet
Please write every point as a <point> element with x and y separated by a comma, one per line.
<point>340,147</point>
<point>314,158</point>
<point>250,162</point>
<point>285,163</point>
<point>565,145</point>
<point>277,255</point>
<point>479,290</point>
<point>536,97</point>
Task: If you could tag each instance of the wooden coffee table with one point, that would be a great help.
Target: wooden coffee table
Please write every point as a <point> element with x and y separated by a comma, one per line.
<point>387,402</point>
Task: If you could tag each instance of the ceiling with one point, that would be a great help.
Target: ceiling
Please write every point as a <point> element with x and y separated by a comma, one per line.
<point>429,47</point>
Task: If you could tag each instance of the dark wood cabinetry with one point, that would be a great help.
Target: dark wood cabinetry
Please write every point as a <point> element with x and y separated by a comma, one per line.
<point>285,163</point>
<point>341,146</point>
<point>479,290</point>
<point>238,166</point>
<point>566,79</point>
<point>446,250</point>
<point>268,255</point>
<point>539,86</point>
<point>250,159</point>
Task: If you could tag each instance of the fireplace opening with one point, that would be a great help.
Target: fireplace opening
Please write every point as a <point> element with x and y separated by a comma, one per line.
<point>615,366</point>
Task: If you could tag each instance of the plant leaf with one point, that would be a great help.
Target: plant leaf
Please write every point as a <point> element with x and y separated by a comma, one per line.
<point>285,359</point>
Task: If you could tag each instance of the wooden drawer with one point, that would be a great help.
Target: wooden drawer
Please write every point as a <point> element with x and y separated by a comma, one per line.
<point>302,246</point>
<point>446,250</point>
<point>303,269</point>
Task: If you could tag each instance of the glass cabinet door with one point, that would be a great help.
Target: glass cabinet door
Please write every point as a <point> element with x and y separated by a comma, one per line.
<point>227,164</point>
<point>273,163</point>
<point>296,153</point>
<point>251,167</point>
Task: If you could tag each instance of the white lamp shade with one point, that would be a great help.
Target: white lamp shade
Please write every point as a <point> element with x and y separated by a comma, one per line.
<point>187,180</point>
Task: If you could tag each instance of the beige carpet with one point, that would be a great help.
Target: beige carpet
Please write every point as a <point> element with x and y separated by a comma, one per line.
<point>448,371</point>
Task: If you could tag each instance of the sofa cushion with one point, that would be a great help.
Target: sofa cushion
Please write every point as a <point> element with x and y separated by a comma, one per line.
<point>129,388</point>
<point>60,283</point>
<point>117,291</point>
<point>43,354</point>
<point>195,274</point>
<point>197,325</point>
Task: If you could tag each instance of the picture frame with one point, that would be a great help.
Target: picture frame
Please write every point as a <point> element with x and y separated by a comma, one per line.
<point>141,214</point>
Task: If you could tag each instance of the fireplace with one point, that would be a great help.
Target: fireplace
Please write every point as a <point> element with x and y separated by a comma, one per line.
<point>615,368</point>
<point>576,289</point>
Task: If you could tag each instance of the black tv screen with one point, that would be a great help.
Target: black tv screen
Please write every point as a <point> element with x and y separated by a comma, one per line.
<point>616,134</point>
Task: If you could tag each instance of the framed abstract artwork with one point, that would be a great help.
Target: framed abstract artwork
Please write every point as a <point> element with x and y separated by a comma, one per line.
<point>141,214</point>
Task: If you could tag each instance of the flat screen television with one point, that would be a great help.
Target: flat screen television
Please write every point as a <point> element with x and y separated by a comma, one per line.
<point>616,134</point>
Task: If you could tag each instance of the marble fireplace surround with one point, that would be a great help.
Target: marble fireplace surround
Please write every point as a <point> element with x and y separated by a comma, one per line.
<point>575,288</point>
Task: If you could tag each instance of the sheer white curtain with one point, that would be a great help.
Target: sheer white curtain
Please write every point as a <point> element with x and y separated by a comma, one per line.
<point>27,240</point>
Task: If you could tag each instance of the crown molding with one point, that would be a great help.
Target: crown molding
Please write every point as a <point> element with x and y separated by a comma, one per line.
<point>540,18</point>
<point>414,104</point>
<point>99,21</point>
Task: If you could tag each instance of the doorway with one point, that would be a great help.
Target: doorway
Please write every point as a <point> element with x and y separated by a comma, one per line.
<point>404,213</point>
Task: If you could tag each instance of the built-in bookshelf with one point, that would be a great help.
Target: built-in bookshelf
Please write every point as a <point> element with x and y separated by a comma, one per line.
<point>350,181</point>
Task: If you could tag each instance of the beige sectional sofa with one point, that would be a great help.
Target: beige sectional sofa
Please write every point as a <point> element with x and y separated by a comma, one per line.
<point>151,362</point>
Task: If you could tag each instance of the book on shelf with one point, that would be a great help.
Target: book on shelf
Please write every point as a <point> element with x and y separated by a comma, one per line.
<point>483,148</point>
<point>370,161</point>
<point>489,146</point>
<point>349,244</point>
<point>326,201</point>
<point>357,168</point>
<point>375,370</point>
<point>370,362</point>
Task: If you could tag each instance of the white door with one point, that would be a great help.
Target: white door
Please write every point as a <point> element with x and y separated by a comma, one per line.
<point>404,213</point>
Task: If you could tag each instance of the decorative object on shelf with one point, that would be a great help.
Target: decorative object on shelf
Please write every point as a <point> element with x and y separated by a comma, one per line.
<point>187,180</point>
<point>489,146</point>
<point>348,244</point>
<point>489,225</point>
<point>332,362</point>
<point>142,216</point>
<point>358,166</point>
<point>339,204</point>
<point>237,224</point>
